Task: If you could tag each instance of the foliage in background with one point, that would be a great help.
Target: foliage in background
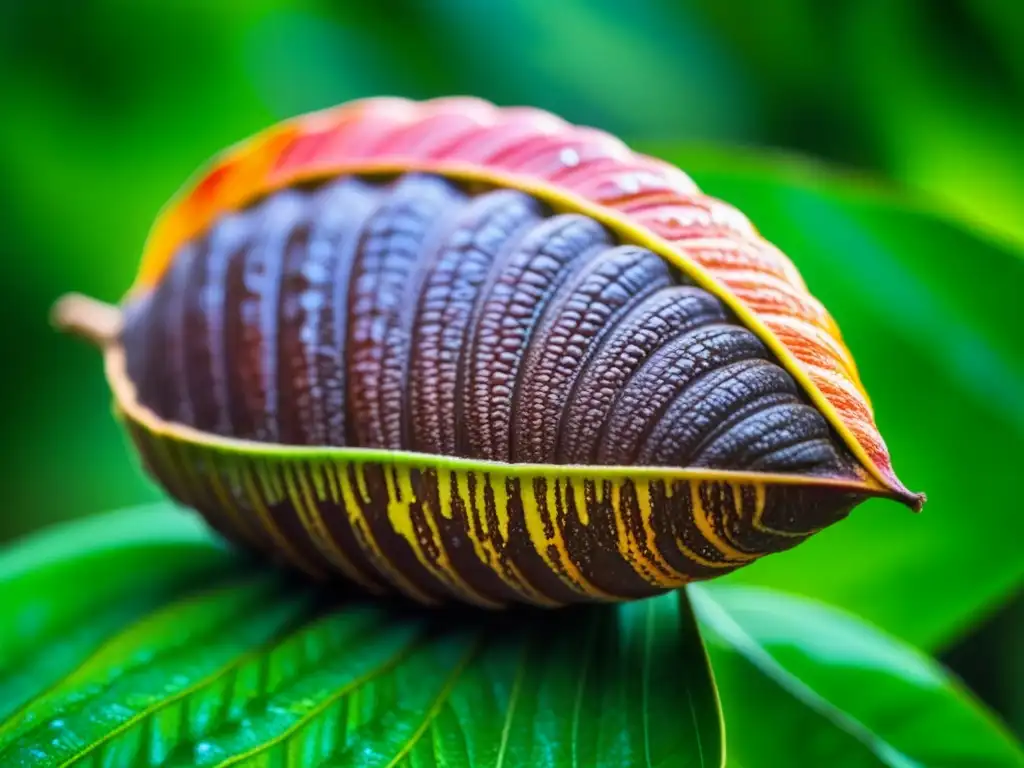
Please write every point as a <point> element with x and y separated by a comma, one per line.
<point>110,105</point>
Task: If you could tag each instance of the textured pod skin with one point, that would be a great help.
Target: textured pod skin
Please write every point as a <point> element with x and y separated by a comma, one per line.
<point>480,354</point>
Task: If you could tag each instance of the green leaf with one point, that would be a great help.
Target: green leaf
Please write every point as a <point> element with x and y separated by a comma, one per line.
<point>801,679</point>
<point>664,57</point>
<point>135,639</point>
<point>931,312</point>
<point>950,129</point>
<point>67,588</point>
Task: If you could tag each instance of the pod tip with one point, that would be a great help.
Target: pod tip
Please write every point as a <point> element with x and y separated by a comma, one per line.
<point>913,501</point>
<point>95,321</point>
<point>916,501</point>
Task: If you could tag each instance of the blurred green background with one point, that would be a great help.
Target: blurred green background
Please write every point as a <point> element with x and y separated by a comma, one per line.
<point>879,142</point>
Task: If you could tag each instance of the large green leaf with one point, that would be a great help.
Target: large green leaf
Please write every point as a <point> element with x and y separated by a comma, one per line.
<point>79,585</point>
<point>134,639</point>
<point>943,127</point>
<point>926,93</point>
<point>801,679</point>
<point>932,314</point>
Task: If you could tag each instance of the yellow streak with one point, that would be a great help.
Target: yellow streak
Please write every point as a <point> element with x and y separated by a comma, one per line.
<point>312,520</point>
<point>361,487</point>
<point>626,541</point>
<point>760,499</point>
<point>400,495</point>
<point>270,484</point>
<point>270,525</point>
<point>571,575</point>
<point>194,480</point>
<point>163,456</point>
<point>333,491</point>
<point>700,517</point>
<point>736,490</point>
<point>504,568</point>
<point>315,477</point>
<point>232,511</point>
<point>579,491</point>
<point>370,546</point>
<point>643,497</point>
<point>444,491</point>
<point>482,546</point>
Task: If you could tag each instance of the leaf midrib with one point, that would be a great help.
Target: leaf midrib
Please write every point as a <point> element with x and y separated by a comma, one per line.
<point>765,663</point>
<point>439,700</point>
<point>513,701</point>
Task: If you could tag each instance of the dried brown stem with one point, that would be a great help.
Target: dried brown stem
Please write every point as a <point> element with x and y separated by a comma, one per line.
<point>94,321</point>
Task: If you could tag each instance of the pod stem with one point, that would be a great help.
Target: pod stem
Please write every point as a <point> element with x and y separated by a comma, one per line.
<point>94,321</point>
